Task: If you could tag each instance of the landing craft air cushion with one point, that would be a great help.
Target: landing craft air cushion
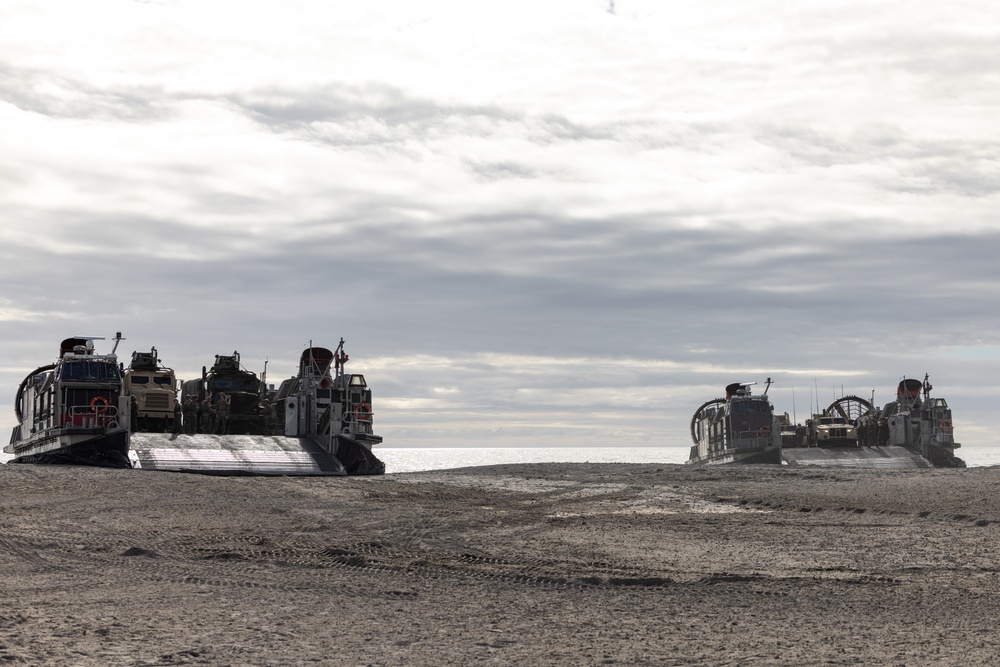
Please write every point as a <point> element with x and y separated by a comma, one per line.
<point>850,432</point>
<point>82,410</point>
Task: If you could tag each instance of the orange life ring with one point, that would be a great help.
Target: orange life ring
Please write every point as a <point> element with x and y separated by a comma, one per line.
<point>945,425</point>
<point>364,412</point>
<point>763,431</point>
<point>104,407</point>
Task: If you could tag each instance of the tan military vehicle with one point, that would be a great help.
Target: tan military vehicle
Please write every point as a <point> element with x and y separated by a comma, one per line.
<point>153,388</point>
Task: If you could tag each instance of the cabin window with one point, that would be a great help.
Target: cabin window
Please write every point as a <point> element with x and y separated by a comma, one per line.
<point>90,371</point>
<point>140,379</point>
<point>750,407</point>
<point>164,381</point>
<point>235,385</point>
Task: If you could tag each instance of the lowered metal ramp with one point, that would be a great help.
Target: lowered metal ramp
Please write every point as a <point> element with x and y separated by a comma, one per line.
<point>232,455</point>
<point>887,458</point>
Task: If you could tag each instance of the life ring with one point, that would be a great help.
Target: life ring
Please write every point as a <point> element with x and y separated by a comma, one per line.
<point>364,412</point>
<point>945,425</point>
<point>105,404</point>
<point>763,431</point>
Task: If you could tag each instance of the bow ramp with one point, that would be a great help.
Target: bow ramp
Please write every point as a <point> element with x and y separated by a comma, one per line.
<point>249,455</point>
<point>885,457</point>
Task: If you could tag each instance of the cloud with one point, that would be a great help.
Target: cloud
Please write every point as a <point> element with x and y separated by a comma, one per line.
<point>532,224</point>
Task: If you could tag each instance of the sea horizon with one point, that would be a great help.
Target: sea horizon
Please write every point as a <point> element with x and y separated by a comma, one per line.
<point>418,459</point>
<point>402,459</point>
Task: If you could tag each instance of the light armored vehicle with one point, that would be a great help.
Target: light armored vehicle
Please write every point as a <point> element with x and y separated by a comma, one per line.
<point>153,388</point>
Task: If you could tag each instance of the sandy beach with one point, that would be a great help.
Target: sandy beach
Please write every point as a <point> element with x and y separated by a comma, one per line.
<point>547,564</point>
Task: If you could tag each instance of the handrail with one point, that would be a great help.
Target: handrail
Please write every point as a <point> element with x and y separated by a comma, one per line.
<point>84,417</point>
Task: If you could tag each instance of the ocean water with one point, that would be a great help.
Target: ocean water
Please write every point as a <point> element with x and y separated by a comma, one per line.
<point>415,459</point>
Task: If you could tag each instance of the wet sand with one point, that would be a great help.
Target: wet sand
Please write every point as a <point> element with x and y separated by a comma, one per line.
<point>548,564</point>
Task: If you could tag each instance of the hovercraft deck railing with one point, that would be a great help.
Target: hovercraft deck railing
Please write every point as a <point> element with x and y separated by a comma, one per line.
<point>84,417</point>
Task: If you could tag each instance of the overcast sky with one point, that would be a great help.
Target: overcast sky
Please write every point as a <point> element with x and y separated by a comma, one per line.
<point>557,223</point>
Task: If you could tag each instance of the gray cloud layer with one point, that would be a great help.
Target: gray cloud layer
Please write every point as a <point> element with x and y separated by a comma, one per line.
<point>559,227</point>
